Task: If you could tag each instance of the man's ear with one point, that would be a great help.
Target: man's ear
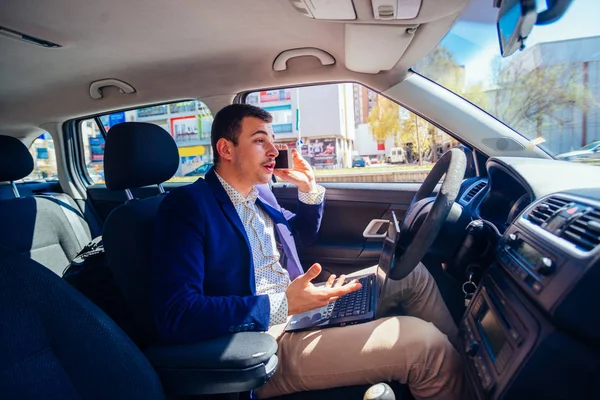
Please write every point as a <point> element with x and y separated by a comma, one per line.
<point>224,148</point>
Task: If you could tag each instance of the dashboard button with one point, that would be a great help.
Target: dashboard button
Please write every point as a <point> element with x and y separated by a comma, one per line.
<point>537,287</point>
<point>546,266</point>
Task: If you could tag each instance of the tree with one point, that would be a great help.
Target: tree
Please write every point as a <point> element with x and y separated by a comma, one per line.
<point>531,98</point>
<point>439,65</point>
<point>419,132</point>
<point>384,120</point>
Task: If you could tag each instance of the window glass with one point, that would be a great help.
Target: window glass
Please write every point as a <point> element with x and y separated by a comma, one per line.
<point>549,91</point>
<point>349,133</point>
<point>44,159</point>
<point>189,122</point>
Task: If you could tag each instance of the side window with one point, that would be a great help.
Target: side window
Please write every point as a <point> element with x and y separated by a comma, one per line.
<point>349,133</point>
<point>189,122</point>
<point>44,159</point>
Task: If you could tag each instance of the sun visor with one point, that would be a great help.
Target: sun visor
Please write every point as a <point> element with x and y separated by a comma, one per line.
<point>374,48</point>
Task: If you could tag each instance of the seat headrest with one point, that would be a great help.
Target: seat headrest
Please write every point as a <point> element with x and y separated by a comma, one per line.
<point>138,154</point>
<point>15,160</point>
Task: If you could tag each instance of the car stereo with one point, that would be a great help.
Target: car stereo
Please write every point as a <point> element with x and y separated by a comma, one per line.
<point>512,351</point>
<point>492,335</point>
<point>564,286</point>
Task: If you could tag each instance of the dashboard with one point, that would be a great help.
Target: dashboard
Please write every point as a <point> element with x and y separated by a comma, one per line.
<point>505,199</point>
<point>532,329</point>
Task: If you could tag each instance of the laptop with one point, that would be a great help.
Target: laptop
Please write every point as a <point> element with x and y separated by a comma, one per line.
<point>359,306</point>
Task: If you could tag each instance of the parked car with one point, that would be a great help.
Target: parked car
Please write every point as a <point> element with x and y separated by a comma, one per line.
<point>590,151</point>
<point>358,161</point>
<point>201,170</point>
<point>398,156</point>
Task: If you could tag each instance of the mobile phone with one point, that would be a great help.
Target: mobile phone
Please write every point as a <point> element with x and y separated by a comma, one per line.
<point>285,159</point>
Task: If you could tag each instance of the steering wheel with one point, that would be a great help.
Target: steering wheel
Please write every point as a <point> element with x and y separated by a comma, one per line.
<point>415,240</point>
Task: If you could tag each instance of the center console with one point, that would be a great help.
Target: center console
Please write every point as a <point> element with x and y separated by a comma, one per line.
<point>511,351</point>
<point>532,330</point>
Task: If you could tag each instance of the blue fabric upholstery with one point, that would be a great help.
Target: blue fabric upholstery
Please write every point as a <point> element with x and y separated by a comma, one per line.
<point>128,237</point>
<point>15,160</point>
<point>38,228</point>
<point>139,154</point>
<point>56,344</point>
<point>47,228</point>
<point>226,365</point>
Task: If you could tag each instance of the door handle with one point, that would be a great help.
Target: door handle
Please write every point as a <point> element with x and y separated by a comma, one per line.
<point>370,231</point>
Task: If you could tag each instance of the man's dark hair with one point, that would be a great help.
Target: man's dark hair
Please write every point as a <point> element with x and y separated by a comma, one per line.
<point>228,124</point>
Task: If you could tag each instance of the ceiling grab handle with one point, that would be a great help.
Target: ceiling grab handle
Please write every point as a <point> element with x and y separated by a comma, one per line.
<point>96,87</point>
<point>280,63</point>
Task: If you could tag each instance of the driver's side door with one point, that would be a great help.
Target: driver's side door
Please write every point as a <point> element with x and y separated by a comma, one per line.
<point>340,123</point>
<point>349,208</point>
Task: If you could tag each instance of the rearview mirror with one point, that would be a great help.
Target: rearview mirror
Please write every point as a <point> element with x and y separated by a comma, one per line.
<point>515,22</point>
<point>516,19</point>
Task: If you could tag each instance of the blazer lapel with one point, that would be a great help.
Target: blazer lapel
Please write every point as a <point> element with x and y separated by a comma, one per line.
<point>285,236</point>
<point>275,214</point>
<point>231,214</point>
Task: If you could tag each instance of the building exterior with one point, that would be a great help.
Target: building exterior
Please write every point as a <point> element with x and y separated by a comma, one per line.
<point>364,100</point>
<point>318,119</point>
<point>571,126</point>
<point>189,123</point>
<point>44,156</point>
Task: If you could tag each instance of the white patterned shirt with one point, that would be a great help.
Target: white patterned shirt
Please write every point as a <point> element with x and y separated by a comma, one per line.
<point>270,277</point>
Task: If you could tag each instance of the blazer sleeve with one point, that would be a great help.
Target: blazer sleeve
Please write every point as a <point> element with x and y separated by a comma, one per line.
<point>182,311</point>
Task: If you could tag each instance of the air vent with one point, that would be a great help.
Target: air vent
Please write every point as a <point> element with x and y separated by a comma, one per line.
<point>584,231</point>
<point>546,209</point>
<point>474,191</point>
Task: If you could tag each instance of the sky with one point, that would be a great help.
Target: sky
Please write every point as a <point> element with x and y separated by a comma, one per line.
<point>475,44</point>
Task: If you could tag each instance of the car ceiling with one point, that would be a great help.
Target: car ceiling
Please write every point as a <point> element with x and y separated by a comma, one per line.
<point>176,49</point>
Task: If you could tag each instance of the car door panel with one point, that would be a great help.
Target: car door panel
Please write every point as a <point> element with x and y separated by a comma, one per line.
<point>349,207</point>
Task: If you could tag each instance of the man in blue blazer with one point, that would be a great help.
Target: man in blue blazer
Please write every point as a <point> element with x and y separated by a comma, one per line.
<point>225,260</point>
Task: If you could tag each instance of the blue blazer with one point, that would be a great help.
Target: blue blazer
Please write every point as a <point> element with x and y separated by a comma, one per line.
<point>203,271</point>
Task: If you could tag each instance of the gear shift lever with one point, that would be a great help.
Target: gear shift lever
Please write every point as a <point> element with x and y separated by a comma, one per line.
<point>380,391</point>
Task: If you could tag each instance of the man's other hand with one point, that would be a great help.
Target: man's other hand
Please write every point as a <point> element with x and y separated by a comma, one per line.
<point>303,296</point>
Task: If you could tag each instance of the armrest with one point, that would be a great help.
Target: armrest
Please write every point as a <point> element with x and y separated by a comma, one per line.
<point>228,364</point>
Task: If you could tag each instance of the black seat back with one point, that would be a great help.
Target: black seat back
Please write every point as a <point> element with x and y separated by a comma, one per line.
<point>56,344</point>
<point>136,154</point>
<point>47,228</point>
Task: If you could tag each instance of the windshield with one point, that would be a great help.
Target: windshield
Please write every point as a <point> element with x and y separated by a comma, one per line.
<point>549,92</point>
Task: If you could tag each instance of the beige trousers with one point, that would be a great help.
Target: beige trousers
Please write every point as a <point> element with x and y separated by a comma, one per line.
<point>409,349</point>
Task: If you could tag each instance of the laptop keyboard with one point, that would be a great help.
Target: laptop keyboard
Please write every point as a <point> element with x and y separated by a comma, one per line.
<point>352,304</point>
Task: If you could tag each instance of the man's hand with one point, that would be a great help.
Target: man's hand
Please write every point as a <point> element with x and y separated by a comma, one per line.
<point>301,175</point>
<point>303,296</point>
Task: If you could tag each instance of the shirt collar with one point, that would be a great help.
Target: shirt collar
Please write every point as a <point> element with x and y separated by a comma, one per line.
<point>235,196</point>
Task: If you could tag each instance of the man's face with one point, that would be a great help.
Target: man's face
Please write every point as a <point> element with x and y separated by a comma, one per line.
<point>254,156</point>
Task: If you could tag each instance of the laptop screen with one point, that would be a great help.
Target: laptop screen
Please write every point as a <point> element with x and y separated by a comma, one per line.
<point>387,253</point>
